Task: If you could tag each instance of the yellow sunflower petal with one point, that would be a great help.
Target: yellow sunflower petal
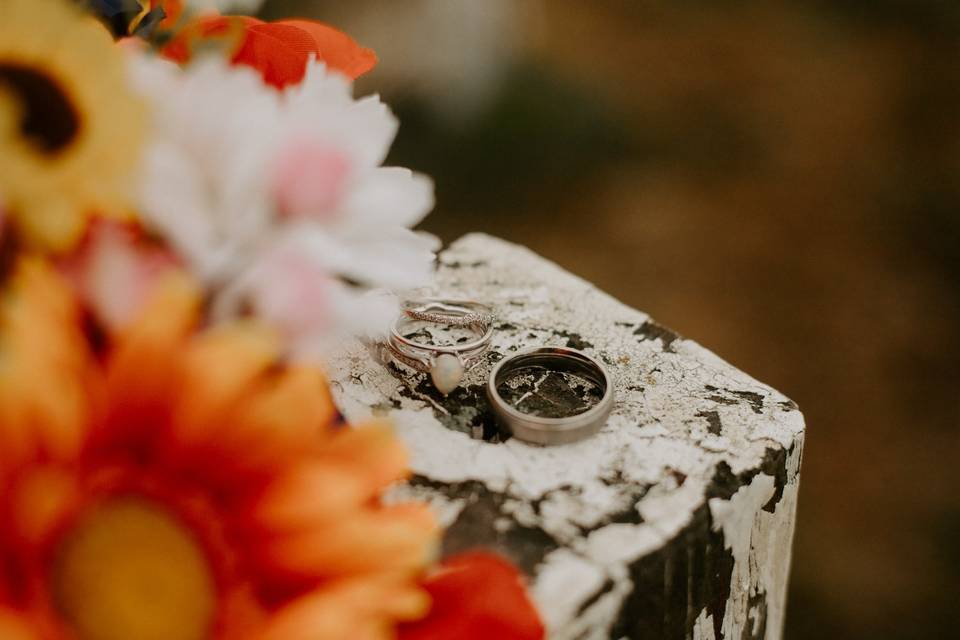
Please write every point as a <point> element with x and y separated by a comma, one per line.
<point>53,222</point>
<point>44,368</point>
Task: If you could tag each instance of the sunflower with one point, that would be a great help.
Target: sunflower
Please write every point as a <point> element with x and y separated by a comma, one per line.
<point>168,483</point>
<point>70,130</point>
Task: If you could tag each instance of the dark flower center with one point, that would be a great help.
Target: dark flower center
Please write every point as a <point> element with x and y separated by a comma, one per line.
<point>49,120</point>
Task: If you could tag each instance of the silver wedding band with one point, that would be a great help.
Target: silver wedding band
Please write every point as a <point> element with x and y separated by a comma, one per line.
<point>550,431</point>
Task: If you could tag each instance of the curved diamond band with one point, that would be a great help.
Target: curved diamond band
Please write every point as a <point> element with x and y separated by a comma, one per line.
<point>459,313</point>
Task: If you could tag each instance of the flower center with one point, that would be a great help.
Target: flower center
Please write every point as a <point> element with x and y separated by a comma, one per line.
<point>310,179</point>
<point>49,120</point>
<point>130,569</point>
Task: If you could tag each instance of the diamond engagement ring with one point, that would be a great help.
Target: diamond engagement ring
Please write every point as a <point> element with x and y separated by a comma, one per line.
<point>446,363</point>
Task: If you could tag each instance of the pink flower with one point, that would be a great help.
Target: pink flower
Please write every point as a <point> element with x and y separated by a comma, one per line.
<point>114,271</point>
<point>293,293</point>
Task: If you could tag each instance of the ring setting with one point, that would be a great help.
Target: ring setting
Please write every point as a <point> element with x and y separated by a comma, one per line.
<point>446,364</point>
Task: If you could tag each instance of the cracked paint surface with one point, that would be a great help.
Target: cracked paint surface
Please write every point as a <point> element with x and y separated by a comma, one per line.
<point>674,521</point>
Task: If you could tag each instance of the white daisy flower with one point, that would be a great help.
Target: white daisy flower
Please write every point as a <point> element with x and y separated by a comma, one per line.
<point>278,200</point>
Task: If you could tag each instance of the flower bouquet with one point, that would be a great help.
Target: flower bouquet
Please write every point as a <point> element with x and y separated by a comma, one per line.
<point>193,211</point>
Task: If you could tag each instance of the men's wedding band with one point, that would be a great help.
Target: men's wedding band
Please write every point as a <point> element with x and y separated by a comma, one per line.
<point>550,431</point>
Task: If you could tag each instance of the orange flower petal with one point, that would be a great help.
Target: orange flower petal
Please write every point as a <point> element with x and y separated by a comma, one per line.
<point>363,609</point>
<point>283,416</point>
<point>144,363</point>
<point>13,627</point>
<point>477,596</point>
<point>336,49</point>
<point>280,54</point>
<point>240,613</point>
<point>244,454</point>
<point>309,496</point>
<point>173,9</point>
<point>231,30</point>
<point>397,537</point>
<point>218,368</point>
<point>278,50</point>
<point>43,498</point>
<point>372,449</point>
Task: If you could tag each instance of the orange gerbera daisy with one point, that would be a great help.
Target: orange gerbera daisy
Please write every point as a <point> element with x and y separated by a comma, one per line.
<point>173,484</point>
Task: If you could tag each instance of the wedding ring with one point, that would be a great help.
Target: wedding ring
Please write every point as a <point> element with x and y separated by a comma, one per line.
<point>446,364</point>
<point>551,430</point>
<point>455,313</point>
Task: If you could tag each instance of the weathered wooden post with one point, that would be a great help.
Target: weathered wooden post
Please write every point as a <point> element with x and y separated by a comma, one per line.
<point>675,521</point>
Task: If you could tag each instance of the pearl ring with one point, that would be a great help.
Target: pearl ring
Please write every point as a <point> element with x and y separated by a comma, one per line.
<point>446,364</point>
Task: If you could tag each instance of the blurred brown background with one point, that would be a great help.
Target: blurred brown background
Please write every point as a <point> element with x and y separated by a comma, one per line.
<point>777,180</point>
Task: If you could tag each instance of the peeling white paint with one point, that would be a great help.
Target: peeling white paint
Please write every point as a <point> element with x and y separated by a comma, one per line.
<point>564,581</point>
<point>654,457</point>
<point>762,544</point>
<point>703,630</point>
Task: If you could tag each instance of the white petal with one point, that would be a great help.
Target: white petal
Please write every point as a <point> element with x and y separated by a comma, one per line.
<point>391,258</point>
<point>321,109</point>
<point>389,196</point>
<point>206,185</point>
